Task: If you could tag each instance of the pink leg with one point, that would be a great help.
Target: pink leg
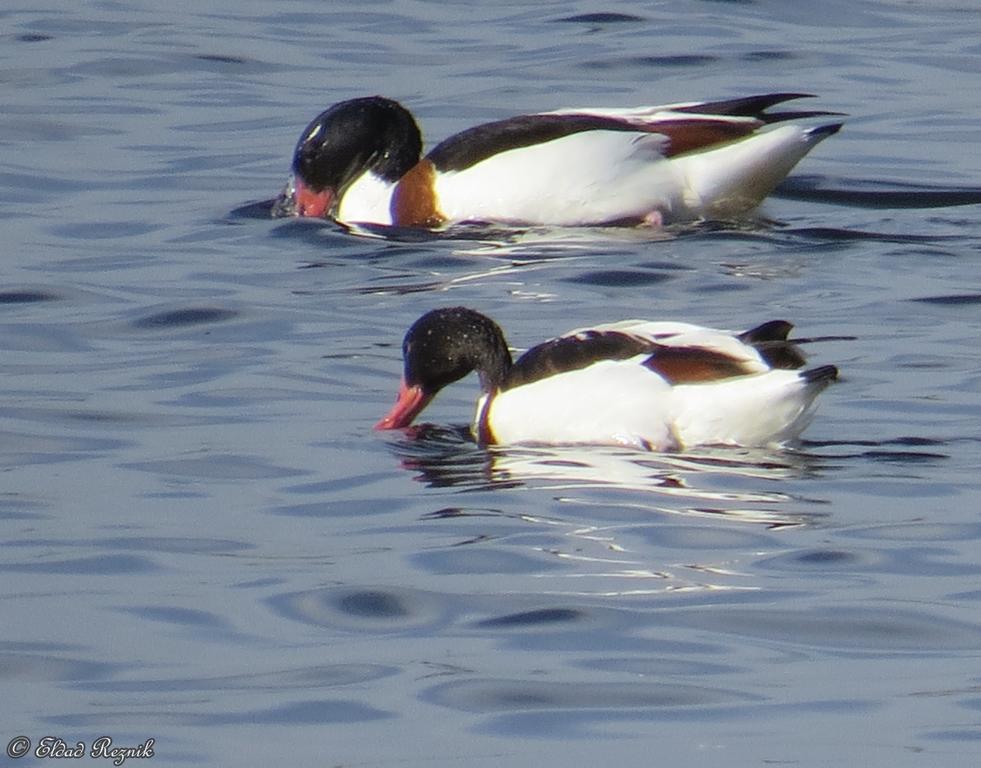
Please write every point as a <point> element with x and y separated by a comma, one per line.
<point>653,219</point>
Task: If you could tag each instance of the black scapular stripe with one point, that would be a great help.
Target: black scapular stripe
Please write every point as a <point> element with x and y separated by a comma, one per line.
<point>473,145</point>
<point>570,353</point>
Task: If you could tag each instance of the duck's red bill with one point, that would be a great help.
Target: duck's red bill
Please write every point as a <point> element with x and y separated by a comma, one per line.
<point>408,405</point>
<point>310,202</point>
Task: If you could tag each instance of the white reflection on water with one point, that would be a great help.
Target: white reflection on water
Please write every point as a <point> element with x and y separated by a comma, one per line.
<point>742,485</point>
<point>599,560</point>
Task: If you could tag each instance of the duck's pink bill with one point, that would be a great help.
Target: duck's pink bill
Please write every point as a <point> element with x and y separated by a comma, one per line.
<point>310,202</point>
<point>408,405</point>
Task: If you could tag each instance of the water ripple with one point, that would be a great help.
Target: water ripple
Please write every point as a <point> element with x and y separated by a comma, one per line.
<point>365,610</point>
<point>867,628</point>
<point>177,318</point>
<point>495,696</point>
<point>601,17</point>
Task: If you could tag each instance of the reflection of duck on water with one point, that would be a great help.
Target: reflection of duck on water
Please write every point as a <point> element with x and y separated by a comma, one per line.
<point>745,485</point>
<point>654,385</point>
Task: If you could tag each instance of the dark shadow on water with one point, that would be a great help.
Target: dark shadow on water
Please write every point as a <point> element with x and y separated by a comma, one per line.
<point>654,62</point>
<point>897,450</point>
<point>538,617</point>
<point>25,296</point>
<point>875,193</point>
<point>950,300</point>
<point>620,278</point>
<point>187,316</point>
<point>260,209</point>
<point>599,18</point>
<point>838,235</point>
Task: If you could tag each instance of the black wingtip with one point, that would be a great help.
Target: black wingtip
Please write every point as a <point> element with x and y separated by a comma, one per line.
<point>772,330</point>
<point>825,374</point>
<point>756,106</point>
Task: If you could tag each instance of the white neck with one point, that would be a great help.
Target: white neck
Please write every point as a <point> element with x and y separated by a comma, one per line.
<point>367,201</point>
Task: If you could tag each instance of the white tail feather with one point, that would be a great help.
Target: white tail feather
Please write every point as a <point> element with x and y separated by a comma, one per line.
<point>737,176</point>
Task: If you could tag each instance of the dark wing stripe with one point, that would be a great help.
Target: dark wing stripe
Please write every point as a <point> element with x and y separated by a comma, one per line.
<point>570,353</point>
<point>690,365</point>
<point>677,365</point>
<point>473,145</point>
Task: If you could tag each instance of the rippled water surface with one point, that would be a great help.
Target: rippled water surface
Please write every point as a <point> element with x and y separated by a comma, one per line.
<point>205,544</point>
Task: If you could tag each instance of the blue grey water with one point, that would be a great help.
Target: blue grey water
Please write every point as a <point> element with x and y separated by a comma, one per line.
<point>205,544</point>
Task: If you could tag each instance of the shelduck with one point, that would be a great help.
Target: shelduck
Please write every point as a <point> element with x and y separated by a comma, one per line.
<point>662,386</point>
<point>359,162</point>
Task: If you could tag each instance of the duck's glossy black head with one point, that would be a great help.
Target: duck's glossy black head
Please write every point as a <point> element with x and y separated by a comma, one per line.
<point>369,134</point>
<point>441,347</point>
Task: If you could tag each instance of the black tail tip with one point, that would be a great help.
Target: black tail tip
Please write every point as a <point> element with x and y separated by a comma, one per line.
<point>825,374</point>
<point>822,131</point>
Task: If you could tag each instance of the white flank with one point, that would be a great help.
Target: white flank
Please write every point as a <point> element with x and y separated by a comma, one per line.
<point>586,178</point>
<point>367,201</point>
<point>612,402</point>
<point>624,403</point>
<point>599,177</point>
<point>736,177</point>
<point>754,410</point>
